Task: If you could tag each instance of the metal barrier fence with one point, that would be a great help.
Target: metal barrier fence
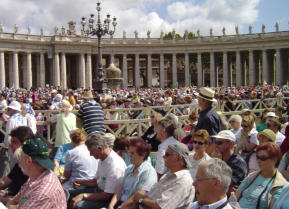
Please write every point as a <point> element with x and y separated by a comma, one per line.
<point>123,125</point>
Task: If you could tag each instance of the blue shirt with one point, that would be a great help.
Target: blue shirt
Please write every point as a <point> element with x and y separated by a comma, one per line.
<point>144,180</point>
<point>61,153</point>
<point>283,201</point>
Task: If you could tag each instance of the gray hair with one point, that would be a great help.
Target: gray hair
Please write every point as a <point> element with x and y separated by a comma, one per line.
<point>167,124</point>
<point>238,118</point>
<point>97,140</point>
<point>216,168</point>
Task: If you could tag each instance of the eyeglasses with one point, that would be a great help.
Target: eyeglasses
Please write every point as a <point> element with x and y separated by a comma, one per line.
<point>168,154</point>
<point>244,126</point>
<point>203,179</point>
<point>262,157</point>
<point>219,142</point>
<point>152,116</point>
<point>199,143</point>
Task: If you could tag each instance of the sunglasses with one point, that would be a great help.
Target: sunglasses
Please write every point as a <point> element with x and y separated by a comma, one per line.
<point>262,157</point>
<point>219,142</point>
<point>199,143</point>
<point>168,154</point>
<point>244,126</point>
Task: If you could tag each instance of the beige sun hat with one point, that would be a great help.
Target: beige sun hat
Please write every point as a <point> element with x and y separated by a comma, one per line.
<point>206,93</point>
<point>87,95</point>
<point>268,133</point>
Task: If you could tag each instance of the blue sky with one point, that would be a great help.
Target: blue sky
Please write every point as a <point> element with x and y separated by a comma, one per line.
<point>153,15</point>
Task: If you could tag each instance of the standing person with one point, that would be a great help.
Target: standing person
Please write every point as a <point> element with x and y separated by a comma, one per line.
<point>208,118</point>
<point>91,114</point>
<point>225,141</point>
<point>15,119</point>
<point>212,183</point>
<point>43,189</point>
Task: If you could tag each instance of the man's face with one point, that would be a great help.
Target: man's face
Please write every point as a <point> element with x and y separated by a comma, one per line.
<point>203,186</point>
<point>158,130</point>
<point>15,143</point>
<point>24,163</point>
<point>221,145</point>
<point>95,152</point>
<point>170,158</point>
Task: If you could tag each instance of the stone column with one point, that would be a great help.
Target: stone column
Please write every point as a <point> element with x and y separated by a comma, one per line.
<point>28,75</point>
<point>88,72</point>
<point>111,58</point>
<point>42,70</point>
<point>63,71</point>
<point>56,77</point>
<point>238,69</point>
<point>124,70</point>
<point>162,71</point>
<point>149,77</point>
<point>10,70</point>
<point>200,70</point>
<point>212,70</point>
<point>15,83</point>
<point>265,65</point>
<point>187,70</point>
<point>175,75</point>
<point>82,71</point>
<point>2,70</point>
<point>136,71</point>
<point>279,74</point>
<point>252,69</point>
<point>226,76</point>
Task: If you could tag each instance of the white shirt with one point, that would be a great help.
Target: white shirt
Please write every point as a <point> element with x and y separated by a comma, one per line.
<point>3,104</point>
<point>195,205</point>
<point>160,163</point>
<point>195,163</point>
<point>279,138</point>
<point>110,173</point>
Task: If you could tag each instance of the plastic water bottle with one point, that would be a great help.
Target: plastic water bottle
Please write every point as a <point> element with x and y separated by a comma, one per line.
<point>233,200</point>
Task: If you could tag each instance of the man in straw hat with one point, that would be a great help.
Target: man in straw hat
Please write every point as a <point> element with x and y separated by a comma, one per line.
<point>208,118</point>
<point>43,189</point>
<point>91,114</point>
<point>174,189</point>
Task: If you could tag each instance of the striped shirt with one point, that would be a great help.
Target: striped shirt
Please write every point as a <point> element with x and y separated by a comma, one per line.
<point>45,192</point>
<point>92,115</point>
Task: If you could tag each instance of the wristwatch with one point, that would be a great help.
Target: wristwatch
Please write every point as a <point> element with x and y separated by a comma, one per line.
<point>140,201</point>
<point>84,196</point>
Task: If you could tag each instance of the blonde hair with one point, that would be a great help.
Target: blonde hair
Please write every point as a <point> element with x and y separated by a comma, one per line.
<point>203,134</point>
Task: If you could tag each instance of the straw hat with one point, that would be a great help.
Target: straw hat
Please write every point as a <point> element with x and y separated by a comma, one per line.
<point>87,95</point>
<point>268,133</point>
<point>206,93</point>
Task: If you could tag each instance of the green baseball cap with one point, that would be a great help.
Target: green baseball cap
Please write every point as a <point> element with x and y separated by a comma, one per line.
<point>38,150</point>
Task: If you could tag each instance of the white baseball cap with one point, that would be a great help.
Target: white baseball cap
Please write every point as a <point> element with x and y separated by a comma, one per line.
<point>14,105</point>
<point>225,134</point>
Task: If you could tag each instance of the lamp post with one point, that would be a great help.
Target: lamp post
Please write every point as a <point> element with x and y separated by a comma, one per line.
<point>98,29</point>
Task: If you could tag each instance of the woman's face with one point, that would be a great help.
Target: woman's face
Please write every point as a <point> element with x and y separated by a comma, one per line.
<point>199,145</point>
<point>234,124</point>
<point>134,157</point>
<point>246,127</point>
<point>263,139</point>
<point>264,160</point>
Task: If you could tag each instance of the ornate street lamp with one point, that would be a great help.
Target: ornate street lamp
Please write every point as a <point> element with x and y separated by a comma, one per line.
<point>99,30</point>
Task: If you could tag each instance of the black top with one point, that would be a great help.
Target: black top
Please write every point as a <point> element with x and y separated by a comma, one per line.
<point>210,121</point>
<point>18,179</point>
<point>151,137</point>
<point>239,168</point>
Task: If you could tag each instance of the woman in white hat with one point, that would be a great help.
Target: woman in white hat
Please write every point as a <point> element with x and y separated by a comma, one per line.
<point>65,122</point>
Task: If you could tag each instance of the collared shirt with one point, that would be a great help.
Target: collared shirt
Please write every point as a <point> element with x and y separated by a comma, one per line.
<point>110,172</point>
<point>144,180</point>
<point>239,168</point>
<point>45,192</point>
<point>14,121</point>
<point>279,138</point>
<point>92,115</point>
<point>215,205</point>
<point>160,163</point>
<point>210,121</point>
<point>174,190</point>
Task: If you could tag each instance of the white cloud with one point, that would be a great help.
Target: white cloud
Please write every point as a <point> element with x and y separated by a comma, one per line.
<point>141,15</point>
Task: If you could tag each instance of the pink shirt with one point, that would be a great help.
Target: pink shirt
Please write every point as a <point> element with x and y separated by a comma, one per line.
<point>45,192</point>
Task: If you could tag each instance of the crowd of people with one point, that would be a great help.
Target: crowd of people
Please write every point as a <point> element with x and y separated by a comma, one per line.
<point>211,162</point>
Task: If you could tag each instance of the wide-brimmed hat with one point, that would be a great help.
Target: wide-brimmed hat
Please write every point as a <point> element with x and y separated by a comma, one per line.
<point>87,95</point>
<point>14,105</point>
<point>226,134</point>
<point>38,150</point>
<point>206,93</point>
<point>182,150</point>
<point>271,114</point>
<point>268,133</point>
<point>65,105</point>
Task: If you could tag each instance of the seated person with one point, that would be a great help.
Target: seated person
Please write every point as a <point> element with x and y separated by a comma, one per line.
<point>15,178</point>
<point>78,163</point>
<point>139,176</point>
